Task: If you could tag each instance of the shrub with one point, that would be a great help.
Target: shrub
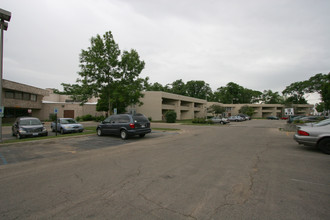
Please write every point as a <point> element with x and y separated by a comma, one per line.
<point>100,118</point>
<point>78,118</point>
<point>150,118</point>
<point>170,117</point>
<point>202,121</point>
<point>87,117</point>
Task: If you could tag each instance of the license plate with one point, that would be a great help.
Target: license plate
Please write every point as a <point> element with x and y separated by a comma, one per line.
<point>143,126</point>
<point>35,134</point>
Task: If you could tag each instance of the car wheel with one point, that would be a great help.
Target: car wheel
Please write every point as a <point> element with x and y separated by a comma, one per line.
<point>142,135</point>
<point>99,132</point>
<point>62,131</point>
<point>123,134</point>
<point>221,122</point>
<point>324,145</point>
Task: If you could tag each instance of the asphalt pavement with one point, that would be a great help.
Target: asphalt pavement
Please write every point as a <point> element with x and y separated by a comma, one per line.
<point>245,170</point>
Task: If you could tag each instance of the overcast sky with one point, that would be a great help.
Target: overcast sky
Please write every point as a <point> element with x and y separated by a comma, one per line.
<point>258,44</point>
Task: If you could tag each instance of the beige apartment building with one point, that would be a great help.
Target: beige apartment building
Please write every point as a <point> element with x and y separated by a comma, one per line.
<point>156,104</point>
<point>265,110</point>
<point>24,100</point>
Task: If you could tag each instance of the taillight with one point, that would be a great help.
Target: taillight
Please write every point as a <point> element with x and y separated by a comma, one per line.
<point>132,125</point>
<point>303,133</point>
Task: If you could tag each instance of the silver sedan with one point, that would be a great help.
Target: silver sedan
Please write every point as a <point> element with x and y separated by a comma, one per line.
<point>318,136</point>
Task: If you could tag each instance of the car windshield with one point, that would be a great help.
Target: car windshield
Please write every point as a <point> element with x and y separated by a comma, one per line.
<point>30,122</point>
<point>68,121</point>
<point>322,123</point>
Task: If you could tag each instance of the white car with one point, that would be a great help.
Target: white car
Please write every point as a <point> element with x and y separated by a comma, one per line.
<point>67,125</point>
<point>235,118</point>
<point>220,120</point>
<point>318,136</point>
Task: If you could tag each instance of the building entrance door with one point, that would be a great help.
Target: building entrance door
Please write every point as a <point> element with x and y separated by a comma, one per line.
<point>68,113</point>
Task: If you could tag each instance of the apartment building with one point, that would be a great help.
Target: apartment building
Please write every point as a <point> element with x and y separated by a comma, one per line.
<point>265,110</point>
<point>24,100</point>
<point>156,104</point>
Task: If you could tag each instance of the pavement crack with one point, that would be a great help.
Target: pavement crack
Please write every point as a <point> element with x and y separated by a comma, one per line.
<point>79,178</point>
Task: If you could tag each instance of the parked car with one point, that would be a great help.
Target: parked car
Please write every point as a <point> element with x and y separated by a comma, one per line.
<point>320,123</point>
<point>246,117</point>
<point>272,118</point>
<point>67,125</point>
<point>28,127</point>
<point>294,117</point>
<point>124,125</point>
<point>318,136</point>
<point>311,119</point>
<point>235,118</point>
<point>220,120</point>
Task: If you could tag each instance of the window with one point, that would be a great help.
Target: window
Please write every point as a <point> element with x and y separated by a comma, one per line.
<point>33,97</point>
<point>123,119</point>
<point>26,96</point>
<point>18,95</point>
<point>9,94</point>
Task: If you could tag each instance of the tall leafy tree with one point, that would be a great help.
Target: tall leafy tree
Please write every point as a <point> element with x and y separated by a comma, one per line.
<point>216,109</point>
<point>247,110</point>
<point>233,93</point>
<point>296,92</point>
<point>179,87</point>
<point>198,89</point>
<point>270,97</point>
<point>319,83</point>
<point>108,74</point>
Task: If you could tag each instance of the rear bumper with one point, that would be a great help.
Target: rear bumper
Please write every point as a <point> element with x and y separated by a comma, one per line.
<point>139,131</point>
<point>305,140</point>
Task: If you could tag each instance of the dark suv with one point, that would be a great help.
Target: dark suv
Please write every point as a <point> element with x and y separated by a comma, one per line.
<point>28,127</point>
<point>124,125</point>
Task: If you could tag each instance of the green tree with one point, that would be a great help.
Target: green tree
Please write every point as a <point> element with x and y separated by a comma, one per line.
<point>178,87</point>
<point>296,92</point>
<point>216,109</point>
<point>247,110</point>
<point>107,74</point>
<point>233,93</point>
<point>270,97</point>
<point>320,107</point>
<point>156,87</point>
<point>198,89</point>
<point>320,83</point>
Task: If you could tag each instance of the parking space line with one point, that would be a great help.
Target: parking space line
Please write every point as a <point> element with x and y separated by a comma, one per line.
<point>303,181</point>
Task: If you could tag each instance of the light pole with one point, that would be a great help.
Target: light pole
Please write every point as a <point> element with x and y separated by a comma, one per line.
<point>5,17</point>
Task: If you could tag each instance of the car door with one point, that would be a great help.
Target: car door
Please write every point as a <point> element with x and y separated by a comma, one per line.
<point>105,126</point>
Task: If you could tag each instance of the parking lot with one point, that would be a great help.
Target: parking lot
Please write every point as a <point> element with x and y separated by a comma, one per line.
<point>245,170</point>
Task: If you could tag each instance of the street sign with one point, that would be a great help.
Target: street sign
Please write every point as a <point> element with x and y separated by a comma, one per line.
<point>55,110</point>
<point>2,111</point>
<point>115,111</point>
<point>289,111</point>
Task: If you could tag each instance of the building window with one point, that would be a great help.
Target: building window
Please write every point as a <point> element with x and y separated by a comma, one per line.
<point>18,95</point>
<point>33,97</point>
<point>26,96</point>
<point>9,94</point>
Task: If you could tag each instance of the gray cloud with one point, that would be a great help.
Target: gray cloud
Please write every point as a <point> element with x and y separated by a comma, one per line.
<point>258,44</point>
